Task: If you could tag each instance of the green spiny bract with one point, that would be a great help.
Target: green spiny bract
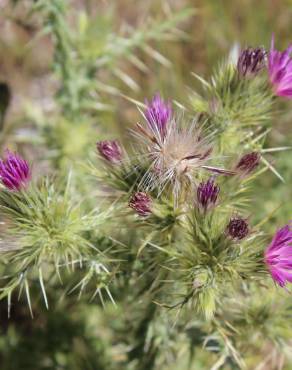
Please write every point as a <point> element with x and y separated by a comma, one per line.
<point>234,104</point>
<point>46,231</point>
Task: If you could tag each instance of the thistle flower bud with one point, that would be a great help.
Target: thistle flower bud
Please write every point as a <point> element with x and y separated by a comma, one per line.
<point>141,203</point>
<point>237,228</point>
<point>251,61</point>
<point>248,162</point>
<point>207,193</point>
<point>110,150</point>
<point>14,171</point>
<point>158,113</point>
<point>278,256</point>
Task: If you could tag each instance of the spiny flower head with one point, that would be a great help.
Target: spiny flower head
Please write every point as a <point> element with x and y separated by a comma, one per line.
<point>141,203</point>
<point>110,150</point>
<point>248,162</point>
<point>280,71</point>
<point>278,256</point>
<point>207,193</point>
<point>158,114</point>
<point>176,157</point>
<point>237,228</point>
<point>14,171</point>
<point>251,61</point>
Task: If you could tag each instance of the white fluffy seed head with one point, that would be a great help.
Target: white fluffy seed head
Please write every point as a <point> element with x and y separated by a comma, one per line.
<point>174,157</point>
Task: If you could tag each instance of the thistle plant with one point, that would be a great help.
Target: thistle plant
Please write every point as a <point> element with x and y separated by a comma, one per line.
<point>45,229</point>
<point>239,96</point>
<point>83,54</point>
<point>214,249</point>
<point>156,240</point>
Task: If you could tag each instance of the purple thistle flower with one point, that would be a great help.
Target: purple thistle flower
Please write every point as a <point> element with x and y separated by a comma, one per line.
<point>248,162</point>
<point>141,203</point>
<point>278,256</point>
<point>251,61</point>
<point>237,228</point>
<point>207,193</point>
<point>14,171</point>
<point>280,70</point>
<point>158,113</point>
<point>110,150</point>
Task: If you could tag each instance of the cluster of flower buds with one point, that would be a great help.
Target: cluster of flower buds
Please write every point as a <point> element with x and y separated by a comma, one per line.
<point>174,152</point>
<point>207,192</point>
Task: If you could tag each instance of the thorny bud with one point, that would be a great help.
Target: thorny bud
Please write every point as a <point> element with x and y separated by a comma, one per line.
<point>248,162</point>
<point>207,193</point>
<point>141,203</point>
<point>251,61</point>
<point>237,228</point>
<point>110,150</point>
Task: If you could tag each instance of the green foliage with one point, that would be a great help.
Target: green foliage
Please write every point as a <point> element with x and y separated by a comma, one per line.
<point>71,341</point>
<point>85,57</point>
<point>48,232</point>
<point>82,54</point>
<point>234,103</point>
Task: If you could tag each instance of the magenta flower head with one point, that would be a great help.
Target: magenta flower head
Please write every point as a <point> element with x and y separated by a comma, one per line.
<point>158,113</point>
<point>14,171</point>
<point>251,61</point>
<point>110,150</point>
<point>248,162</point>
<point>141,203</point>
<point>278,256</point>
<point>207,194</point>
<point>280,71</point>
<point>237,228</point>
